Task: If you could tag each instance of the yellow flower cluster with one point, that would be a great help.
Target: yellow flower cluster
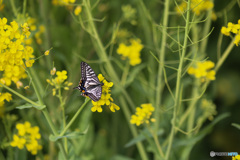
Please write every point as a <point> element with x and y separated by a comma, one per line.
<point>197,6</point>
<point>27,136</point>
<point>232,28</point>
<point>106,98</point>
<point>62,2</point>
<point>58,82</point>
<point>143,114</point>
<point>131,51</point>
<point>13,51</point>
<point>237,157</point>
<point>203,70</point>
<point>4,96</point>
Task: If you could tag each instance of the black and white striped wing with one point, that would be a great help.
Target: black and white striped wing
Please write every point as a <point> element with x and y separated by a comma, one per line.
<point>88,75</point>
<point>95,92</point>
<point>92,84</point>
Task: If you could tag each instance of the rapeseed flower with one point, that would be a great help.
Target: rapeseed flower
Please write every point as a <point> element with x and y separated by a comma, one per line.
<point>203,70</point>
<point>27,136</point>
<point>14,52</point>
<point>62,2</point>
<point>197,6</point>
<point>4,97</point>
<point>106,98</point>
<point>77,10</point>
<point>132,51</point>
<point>237,157</point>
<point>143,114</point>
<point>232,28</point>
<point>59,81</point>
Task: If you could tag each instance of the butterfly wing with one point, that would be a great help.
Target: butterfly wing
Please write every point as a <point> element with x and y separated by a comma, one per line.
<point>92,84</point>
<point>95,92</point>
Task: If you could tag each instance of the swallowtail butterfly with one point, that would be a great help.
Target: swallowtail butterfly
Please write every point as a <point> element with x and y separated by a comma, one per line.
<point>89,83</point>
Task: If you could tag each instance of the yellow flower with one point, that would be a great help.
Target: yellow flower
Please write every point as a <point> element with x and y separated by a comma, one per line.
<point>46,53</point>
<point>203,71</point>
<point>234,29</point>
<point>62,75</point>
<point>18,142</point>
<point>62,2</point>
<point>58,82</point>
<point>237,157</point>
<point>106,98</point>
<point>13,51</point>
<point>197,6</point>
<point>142,114</point>
<point>132,51</point>
<point>4,97</point>
<point>27,136</point>
<point>29,63</point>
<point>78,10</point>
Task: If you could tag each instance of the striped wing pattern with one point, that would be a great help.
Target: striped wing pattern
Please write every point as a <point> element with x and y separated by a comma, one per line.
<point>92,85</point>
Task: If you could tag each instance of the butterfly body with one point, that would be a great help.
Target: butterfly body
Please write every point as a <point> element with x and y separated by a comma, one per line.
<point>89,84</point>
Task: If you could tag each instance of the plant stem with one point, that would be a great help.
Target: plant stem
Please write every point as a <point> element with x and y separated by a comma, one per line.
<point>63,117</point>
<point>19,95</point>
<point>133,129</point>
<point>225,55</point>
<point>160,80</point>
<point>74,117</point>
<point>178,84</point>
<point>155,137</point>
<point>14,8</point>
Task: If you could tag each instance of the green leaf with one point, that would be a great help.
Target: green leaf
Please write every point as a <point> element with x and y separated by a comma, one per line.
<point>75,134</point>
<point>142,137</point>
<point>28,105</point>
<point>236,125</point>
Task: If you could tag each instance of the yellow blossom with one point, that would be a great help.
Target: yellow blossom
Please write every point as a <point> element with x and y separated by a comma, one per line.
<point>106,98</point>
<point>27,136</point>
<point>203,70</point>
<point>46,53</point>
<point>197,6</point>
<point>29,63</point>
<point>13,51</point>
<point>237,157</point>
<point>142,114</point>
<point>131,51</point>
<point>62,2</point>
<point>4,97</point>
<point>78,10</point>
<point>59,81</point>
<point>53,71</point>
<point>234,29</point>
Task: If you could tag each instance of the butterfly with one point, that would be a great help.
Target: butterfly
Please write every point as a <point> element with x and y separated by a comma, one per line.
<point>89,84</point>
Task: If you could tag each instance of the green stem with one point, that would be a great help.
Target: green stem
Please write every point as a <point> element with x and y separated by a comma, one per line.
<point>133,129</point>
<point>14,8</point>
<point>63,117</point>
<point>160,80</point>
<point>156,141</point>
<point>74,118</point>
<point>24,7</point>
<point>225,55</point>
<point>178,84</point>
<point>19,95</point>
